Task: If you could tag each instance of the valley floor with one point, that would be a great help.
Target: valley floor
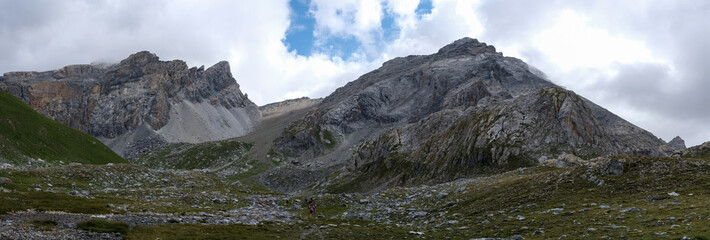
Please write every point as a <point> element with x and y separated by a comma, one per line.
<point>654,198</point>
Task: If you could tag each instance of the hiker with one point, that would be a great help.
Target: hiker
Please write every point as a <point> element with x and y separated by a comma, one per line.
<point>311,207</point>
<point>312,210</point>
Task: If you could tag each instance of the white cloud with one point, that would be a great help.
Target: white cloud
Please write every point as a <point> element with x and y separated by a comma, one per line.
<point>448,21</point>
<point>571,43</point>
<point>356,18</point>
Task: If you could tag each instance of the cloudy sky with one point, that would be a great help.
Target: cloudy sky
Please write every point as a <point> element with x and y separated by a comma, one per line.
<point>647,61</point>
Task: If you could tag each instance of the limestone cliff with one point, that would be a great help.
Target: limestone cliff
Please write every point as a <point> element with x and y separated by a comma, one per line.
<point>141,102</point>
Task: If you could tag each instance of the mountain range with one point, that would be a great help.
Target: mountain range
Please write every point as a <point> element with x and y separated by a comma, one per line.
<point>463,111</point>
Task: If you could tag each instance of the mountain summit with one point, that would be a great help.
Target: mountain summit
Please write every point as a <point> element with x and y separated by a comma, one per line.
<point>462,111</point>
<point>140,103</point>
<point>677,143</point>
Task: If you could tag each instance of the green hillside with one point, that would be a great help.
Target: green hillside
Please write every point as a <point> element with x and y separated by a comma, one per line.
<point>26,133</point>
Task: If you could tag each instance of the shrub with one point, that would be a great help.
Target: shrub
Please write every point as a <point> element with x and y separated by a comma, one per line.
<point>96,225</point>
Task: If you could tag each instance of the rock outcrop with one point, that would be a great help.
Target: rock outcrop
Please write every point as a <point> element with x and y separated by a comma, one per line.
<point>462,111</point>
<point>700,151</point>
<point>677,143</point>
<point>140,103</point>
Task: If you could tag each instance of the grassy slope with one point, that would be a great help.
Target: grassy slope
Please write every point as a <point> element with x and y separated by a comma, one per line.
<point>194,156</point>
<point>24,132</point>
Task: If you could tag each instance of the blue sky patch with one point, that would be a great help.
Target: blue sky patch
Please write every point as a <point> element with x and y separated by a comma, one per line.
<point>424,8</point>
<point>390,28</point>
<point>341,46</point>
<point>299,35</point>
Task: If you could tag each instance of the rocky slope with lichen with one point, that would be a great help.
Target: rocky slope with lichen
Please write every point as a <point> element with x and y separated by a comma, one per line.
<point>464,110</point>
<point>141,102</point>
<point>700,151</point>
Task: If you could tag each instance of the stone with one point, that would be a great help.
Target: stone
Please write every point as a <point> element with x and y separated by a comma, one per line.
<point>656,198</point>
<point>442,195</point>
<point>628,210</point>
<point>555,210</point>
<point>452,222</point>
<point>613,167</point>
<point>5,181</point>
<point>237,184</point>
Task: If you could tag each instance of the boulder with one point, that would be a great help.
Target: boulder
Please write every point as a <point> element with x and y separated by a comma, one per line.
<point>613,167</point>
<point>5,181</point>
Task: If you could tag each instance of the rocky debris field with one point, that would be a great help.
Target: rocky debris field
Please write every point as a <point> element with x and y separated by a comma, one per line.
<point>618,197</point>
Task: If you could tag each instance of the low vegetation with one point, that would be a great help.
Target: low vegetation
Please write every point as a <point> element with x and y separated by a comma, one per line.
<point>195,156</point>
<point>665,198</point>
<point>25,134</point>
<point>103,226</point>
<point>44,225</point>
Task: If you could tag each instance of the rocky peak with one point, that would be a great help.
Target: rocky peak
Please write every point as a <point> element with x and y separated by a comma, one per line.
<point>677,143</point>
<point>466,46</point>
<point>220,75</point>
<point>140,59</point>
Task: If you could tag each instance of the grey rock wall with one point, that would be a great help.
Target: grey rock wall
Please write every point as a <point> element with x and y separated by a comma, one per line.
<point>141,102</point>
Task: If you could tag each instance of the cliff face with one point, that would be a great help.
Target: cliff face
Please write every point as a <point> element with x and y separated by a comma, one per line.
<point>140,103</point>
<point>453,113</point>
